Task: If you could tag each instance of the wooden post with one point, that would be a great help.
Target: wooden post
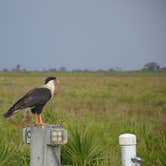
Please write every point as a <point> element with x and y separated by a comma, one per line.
<point>45,144</point>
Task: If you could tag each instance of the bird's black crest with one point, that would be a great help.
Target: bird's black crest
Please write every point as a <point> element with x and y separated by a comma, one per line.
<point>49,79</point>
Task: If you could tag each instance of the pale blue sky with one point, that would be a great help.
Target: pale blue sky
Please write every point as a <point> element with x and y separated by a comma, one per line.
<point>82,33</point>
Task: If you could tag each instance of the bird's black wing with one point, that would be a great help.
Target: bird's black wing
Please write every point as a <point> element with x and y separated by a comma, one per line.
<point>37,96</point>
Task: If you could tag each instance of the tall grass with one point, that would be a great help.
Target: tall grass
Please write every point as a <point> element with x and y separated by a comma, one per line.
<point>95,108</point>
<point>83,148</point>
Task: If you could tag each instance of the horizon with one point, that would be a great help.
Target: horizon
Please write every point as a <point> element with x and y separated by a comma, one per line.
<point>19,68</point>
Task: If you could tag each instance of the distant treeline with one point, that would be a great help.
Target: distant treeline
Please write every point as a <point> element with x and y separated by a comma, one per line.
<point>151,66</point>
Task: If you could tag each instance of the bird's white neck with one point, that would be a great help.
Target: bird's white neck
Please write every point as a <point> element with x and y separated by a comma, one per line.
<point>51,86</point>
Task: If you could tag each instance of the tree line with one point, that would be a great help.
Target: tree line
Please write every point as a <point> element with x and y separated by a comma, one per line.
<point>151,66</point>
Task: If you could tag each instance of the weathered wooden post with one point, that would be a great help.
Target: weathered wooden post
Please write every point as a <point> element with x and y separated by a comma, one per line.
<point>128,150</point>
<point>45,144</point>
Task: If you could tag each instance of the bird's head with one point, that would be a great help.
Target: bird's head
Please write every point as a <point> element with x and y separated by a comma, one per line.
<point>51,79</point>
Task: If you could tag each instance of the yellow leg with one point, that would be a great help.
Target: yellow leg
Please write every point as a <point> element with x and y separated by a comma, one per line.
<point>41,121</point>
<point>36,119</point>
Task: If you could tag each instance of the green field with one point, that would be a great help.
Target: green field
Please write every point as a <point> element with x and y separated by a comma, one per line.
<point>95,108</point>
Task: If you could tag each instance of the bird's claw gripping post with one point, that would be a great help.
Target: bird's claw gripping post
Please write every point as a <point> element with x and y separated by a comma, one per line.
<point>39,120</point>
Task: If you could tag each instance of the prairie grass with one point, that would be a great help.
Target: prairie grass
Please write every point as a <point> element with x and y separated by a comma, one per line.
<point>95,108</point>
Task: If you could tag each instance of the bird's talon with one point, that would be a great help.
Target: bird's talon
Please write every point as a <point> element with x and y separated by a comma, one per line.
<point>43,124</point>
<point>36,124</point>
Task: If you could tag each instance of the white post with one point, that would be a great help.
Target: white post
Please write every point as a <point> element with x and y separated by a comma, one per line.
<point>128,150</point>
<point>45,144</point>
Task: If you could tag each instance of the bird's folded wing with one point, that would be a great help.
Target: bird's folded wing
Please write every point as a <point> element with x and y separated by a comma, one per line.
<point>37,96</point>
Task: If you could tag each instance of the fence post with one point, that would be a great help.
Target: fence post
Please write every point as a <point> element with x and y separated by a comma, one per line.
<point>45,144</point>
<point>128,150</point>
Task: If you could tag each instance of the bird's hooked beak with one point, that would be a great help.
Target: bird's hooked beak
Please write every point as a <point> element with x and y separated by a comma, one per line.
<point>56,81</point>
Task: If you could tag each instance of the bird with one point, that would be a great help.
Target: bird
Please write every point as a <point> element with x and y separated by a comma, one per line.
<point>35,100</point>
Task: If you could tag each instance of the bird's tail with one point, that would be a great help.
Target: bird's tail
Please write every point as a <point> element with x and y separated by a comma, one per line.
<point>8,114</point>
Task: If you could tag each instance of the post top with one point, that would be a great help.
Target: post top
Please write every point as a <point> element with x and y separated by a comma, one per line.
<point>55,134</point>
<point>127,139</point>
<point>44,126</point>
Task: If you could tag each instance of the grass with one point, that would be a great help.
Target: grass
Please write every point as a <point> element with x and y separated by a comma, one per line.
<point>95,108</point>
<point>82,149</point>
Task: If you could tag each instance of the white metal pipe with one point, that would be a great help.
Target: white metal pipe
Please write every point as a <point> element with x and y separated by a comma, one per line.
<point>128,149</point>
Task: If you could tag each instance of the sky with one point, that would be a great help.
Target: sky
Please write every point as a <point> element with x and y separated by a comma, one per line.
<point>82,34</point>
